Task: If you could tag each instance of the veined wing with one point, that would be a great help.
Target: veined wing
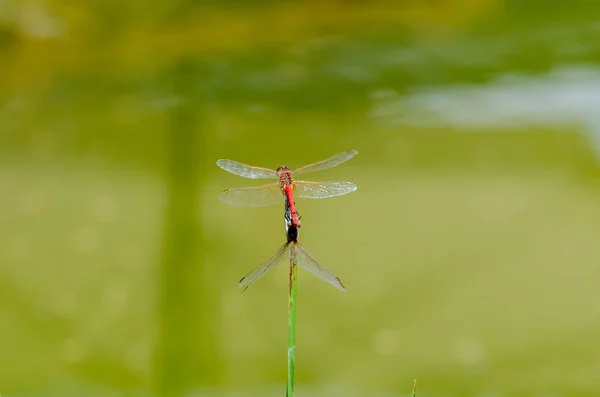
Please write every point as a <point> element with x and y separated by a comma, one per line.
<point>306,189</point>
<point>247,171</point>
<point>305,260</point>
<point>327,163</point>
<point>260,271</point>
<point>255,196</point>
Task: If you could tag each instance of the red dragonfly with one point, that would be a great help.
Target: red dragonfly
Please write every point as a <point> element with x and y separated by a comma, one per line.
<point>298,255</point>
<point>258,196</point>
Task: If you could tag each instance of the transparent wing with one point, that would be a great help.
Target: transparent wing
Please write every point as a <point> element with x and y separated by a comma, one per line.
<point>256,196</point>
<point>306,261</point>
<point>247,171</point>
<point>306,189</point>
<point>260,271</point>
<point>327,163</point>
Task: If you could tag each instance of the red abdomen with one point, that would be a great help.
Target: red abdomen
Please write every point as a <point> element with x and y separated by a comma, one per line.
<point>288,190</point>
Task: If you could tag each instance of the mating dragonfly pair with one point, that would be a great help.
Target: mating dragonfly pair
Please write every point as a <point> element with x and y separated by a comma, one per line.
<point>287,188</point>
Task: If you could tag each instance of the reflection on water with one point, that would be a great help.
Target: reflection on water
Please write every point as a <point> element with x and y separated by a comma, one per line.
<point>561,98</point>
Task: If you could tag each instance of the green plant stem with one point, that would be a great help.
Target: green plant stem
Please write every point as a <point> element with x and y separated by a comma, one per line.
<point>292,325</point>
<point>414,392</point>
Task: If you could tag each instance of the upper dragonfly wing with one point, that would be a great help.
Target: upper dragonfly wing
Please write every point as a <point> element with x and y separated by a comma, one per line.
<point>306,261</point>
<point>259,271</point>
<point>247,171</point>
<point>327,163</point>
<point>256,196</point>
<point>306,189</point>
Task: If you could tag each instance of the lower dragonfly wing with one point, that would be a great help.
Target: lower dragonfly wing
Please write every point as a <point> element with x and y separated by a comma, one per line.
<point>305,260</point>
<point>256,196</point>
<point>247,171</point>
<point>327,163</point>
<point>306,189</point>
<point>260,271</point>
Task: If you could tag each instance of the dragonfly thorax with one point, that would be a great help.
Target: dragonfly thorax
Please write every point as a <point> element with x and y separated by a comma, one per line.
<point>285,176</point>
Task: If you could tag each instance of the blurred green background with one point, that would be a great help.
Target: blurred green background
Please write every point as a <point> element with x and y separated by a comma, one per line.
<point>470,251</point>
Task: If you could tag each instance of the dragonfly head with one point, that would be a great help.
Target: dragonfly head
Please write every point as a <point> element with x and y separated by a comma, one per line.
<point>282,169</point>
<point>291,232</point>
<point>291,228</point>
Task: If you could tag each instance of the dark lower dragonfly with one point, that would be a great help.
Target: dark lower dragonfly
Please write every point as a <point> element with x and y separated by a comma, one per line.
<point>298,254</point>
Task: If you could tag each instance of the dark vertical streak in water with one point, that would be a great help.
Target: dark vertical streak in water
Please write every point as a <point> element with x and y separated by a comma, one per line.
<point>186,351</point>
